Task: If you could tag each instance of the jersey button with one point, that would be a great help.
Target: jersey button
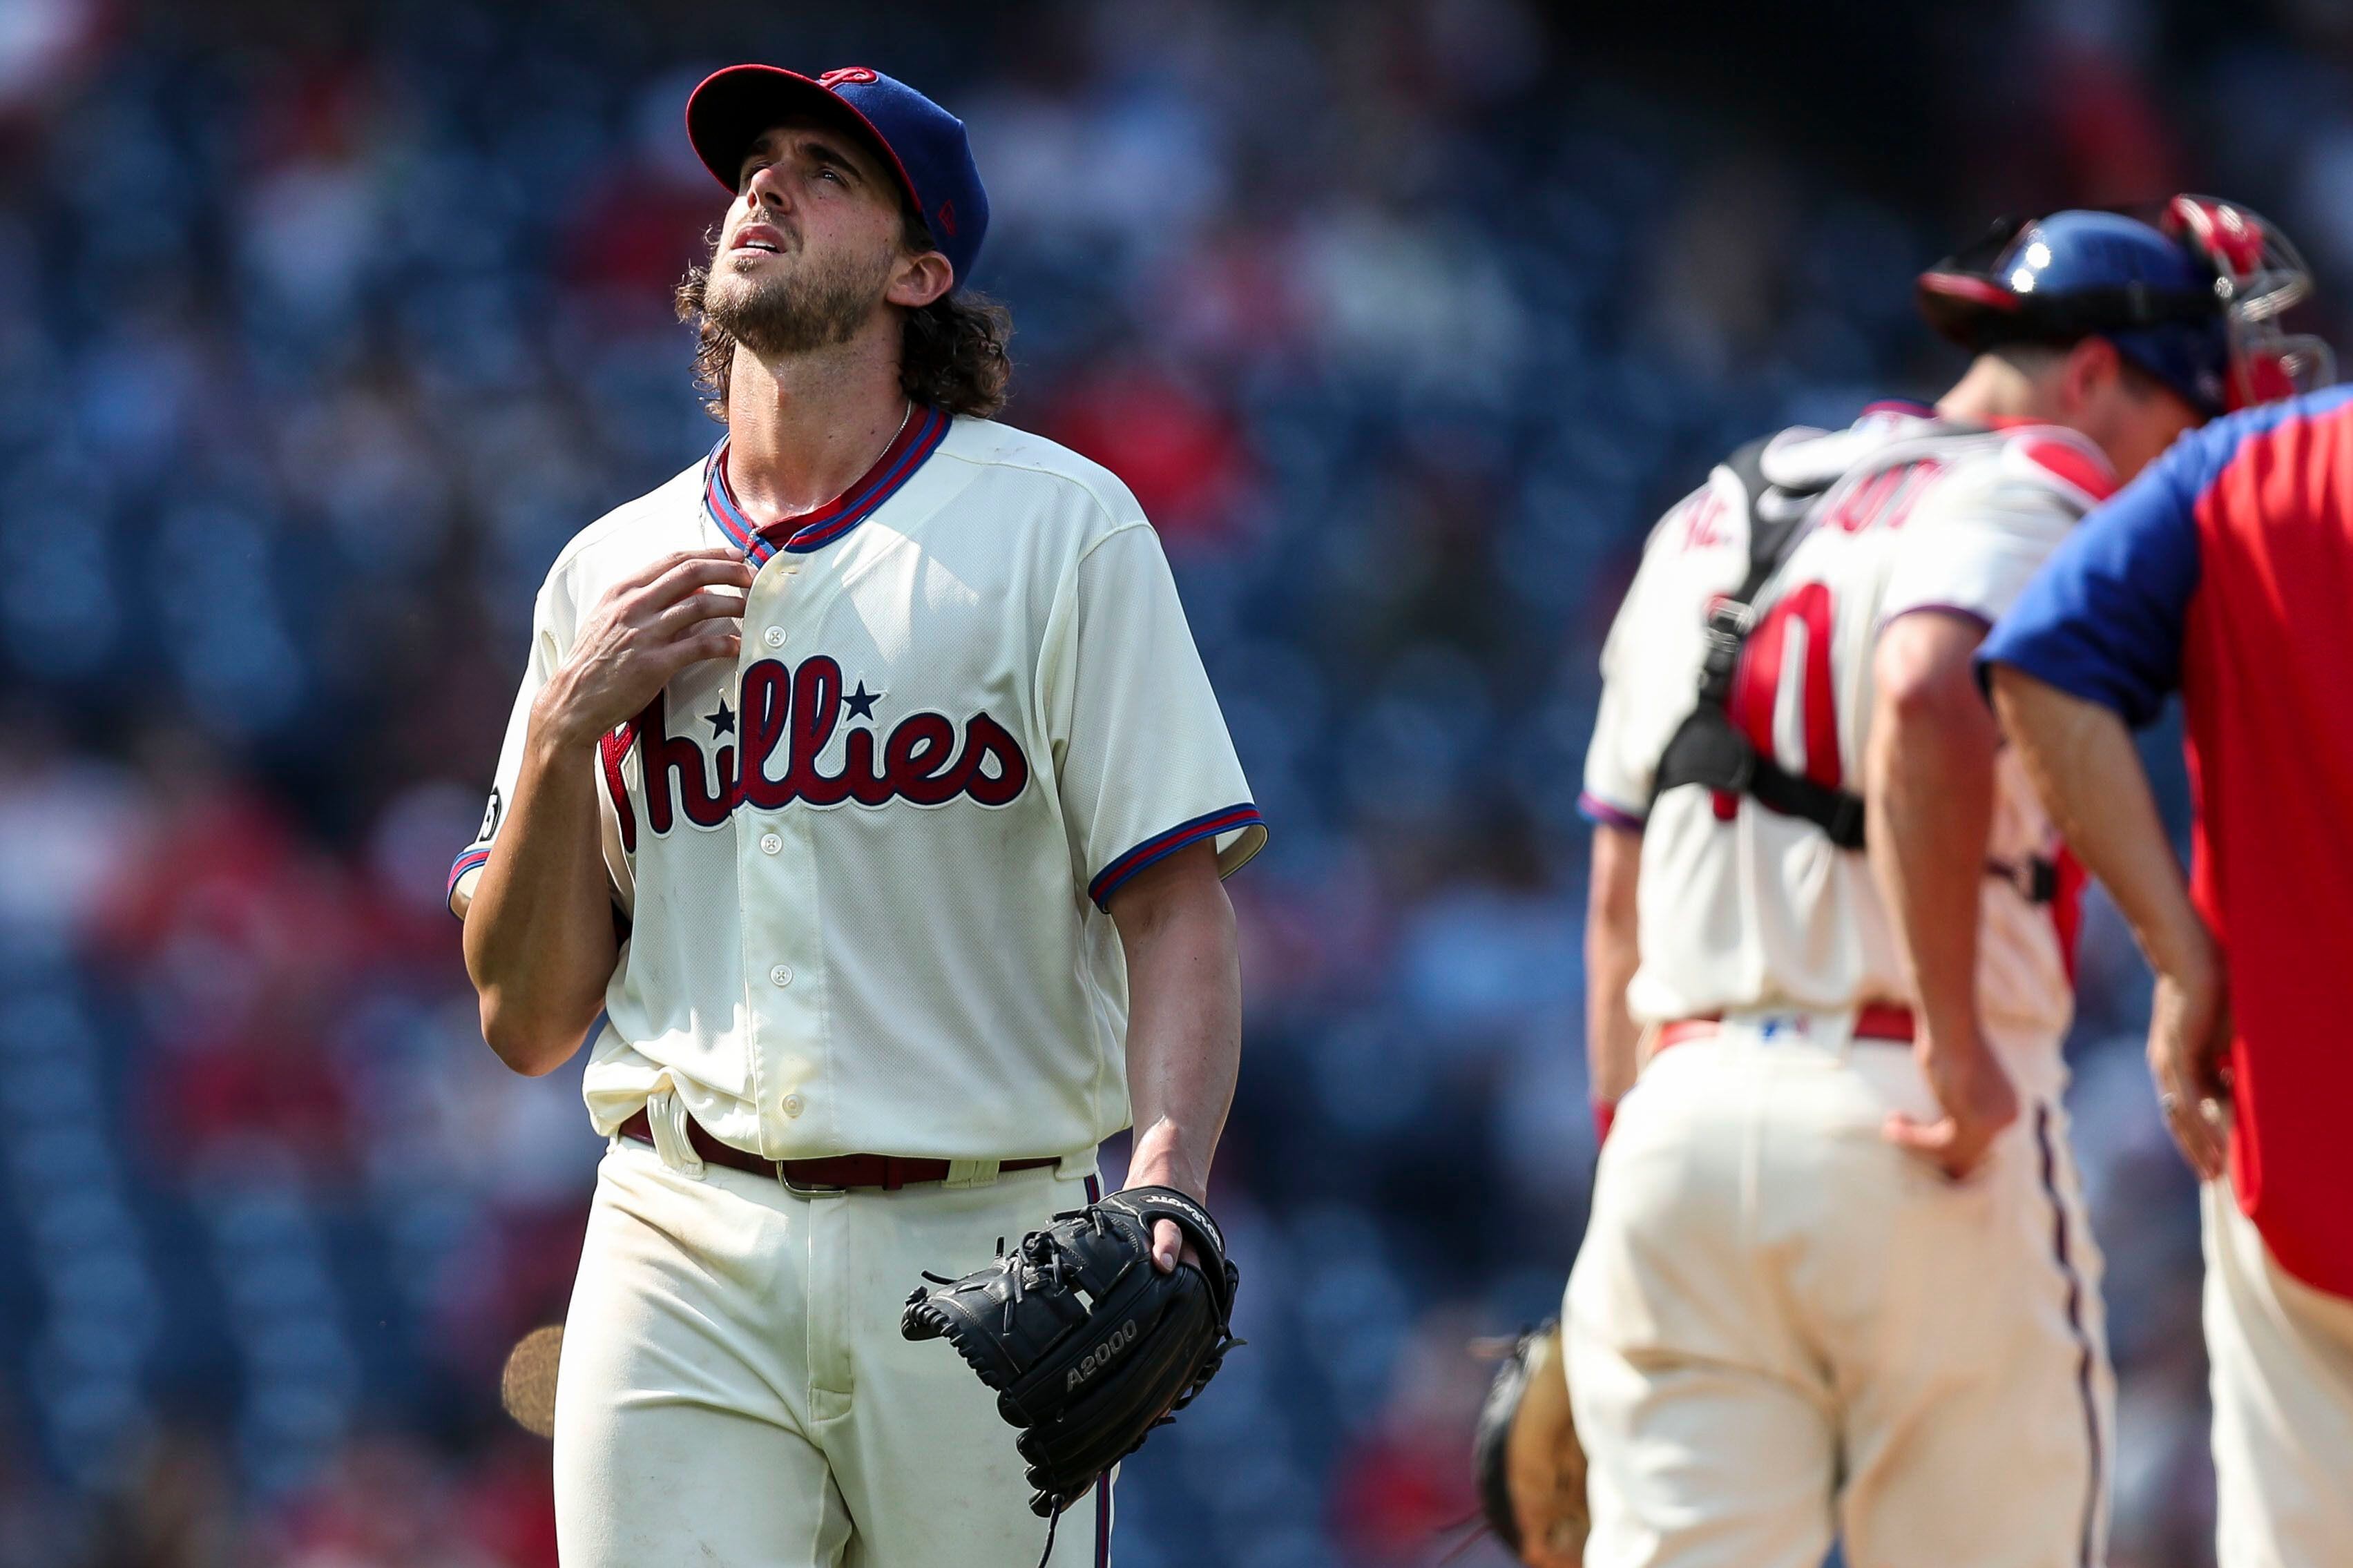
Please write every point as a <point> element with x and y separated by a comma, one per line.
<point>774,636</point>
<point>782,974</point>
<point>771,844</point>
<point>793,1105</point>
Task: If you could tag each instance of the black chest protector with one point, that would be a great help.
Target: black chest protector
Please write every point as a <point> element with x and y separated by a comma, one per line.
<point>1709,749</point>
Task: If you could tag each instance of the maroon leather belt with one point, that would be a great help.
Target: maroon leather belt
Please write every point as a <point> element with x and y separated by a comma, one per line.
<point>1876,1021</point>
<point>888,1171</point>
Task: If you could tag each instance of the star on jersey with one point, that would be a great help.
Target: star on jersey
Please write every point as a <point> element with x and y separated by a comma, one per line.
<point>860,702</point>
<point>722,722</point>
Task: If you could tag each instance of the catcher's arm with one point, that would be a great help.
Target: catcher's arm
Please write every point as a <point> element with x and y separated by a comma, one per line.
<point>1613,951</point>
<point>1928,785</point>
<point>1184,1025</point>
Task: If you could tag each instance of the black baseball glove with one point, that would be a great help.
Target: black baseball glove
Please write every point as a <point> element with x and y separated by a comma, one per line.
<point>1087,1345</point>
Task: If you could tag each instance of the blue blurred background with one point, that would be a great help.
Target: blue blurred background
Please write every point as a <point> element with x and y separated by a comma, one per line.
<point>323,325</point>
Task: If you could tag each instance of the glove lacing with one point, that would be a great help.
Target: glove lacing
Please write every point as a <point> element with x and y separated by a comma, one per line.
<point>1045,1252</point>
<point>1053,1523</point>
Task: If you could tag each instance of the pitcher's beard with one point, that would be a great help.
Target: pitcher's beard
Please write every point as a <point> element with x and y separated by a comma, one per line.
<point>813,307</point>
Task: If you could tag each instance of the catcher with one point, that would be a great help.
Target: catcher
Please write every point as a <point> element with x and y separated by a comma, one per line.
<point>866,781</point>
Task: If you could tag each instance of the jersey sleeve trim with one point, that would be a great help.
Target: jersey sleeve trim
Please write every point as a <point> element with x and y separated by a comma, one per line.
<point>466,863</point>
<point>1604,814</point>
<point>1242,819</point>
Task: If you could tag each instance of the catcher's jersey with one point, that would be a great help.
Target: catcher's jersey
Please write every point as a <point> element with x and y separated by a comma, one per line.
<point>866,866</point>
<point>1743,907</point>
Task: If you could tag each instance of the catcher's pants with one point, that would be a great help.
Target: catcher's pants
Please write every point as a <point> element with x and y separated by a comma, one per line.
<point>2283,1381</point>
<point>734,1390</point>
<point>1781,1327</point>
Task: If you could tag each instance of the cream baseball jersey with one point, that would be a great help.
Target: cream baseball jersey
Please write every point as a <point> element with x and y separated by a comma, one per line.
<point>866,866</point>
<point>1741,907</point>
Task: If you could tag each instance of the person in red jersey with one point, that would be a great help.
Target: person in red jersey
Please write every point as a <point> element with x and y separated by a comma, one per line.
<point>2224,574</point>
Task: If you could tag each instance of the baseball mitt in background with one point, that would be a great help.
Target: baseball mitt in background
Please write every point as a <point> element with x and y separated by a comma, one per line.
<point>527,1385</point>
<point>1525,1457</point>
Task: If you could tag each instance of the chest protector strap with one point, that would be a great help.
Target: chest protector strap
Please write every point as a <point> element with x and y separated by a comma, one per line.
<point>1708,748</point>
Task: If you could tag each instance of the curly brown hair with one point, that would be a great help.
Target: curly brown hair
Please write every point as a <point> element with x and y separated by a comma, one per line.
<point>952,352</point>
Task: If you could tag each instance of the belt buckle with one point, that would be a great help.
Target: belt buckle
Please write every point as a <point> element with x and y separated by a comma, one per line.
<point>807,1190</point>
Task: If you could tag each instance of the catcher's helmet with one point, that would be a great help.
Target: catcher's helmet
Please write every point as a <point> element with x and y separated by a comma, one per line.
<point>2192,298</point>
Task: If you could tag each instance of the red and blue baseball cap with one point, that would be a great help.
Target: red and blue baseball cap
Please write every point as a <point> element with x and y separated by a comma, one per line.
<point>2192,297</point>
<point>924,145</point>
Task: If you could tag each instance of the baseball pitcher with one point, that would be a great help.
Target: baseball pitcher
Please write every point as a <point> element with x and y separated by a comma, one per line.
<point>865,796</point>
<point>1837,1279</point>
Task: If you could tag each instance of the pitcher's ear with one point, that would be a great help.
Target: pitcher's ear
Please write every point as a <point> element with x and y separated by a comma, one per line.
<point>921,279</point>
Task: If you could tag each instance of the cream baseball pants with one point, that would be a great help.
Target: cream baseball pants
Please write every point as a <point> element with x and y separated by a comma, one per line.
<point>1782,1328</point>
<point>734,1392</point>
<point>2282,1359</point>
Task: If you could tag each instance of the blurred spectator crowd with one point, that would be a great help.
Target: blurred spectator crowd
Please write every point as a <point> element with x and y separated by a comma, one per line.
<point>323,327</point>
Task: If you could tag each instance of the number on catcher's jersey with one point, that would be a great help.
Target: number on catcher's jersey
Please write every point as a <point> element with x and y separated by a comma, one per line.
<point>1782,696</point>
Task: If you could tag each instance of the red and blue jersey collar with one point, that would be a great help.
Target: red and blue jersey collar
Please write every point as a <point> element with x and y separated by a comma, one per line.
<point>915,442</point>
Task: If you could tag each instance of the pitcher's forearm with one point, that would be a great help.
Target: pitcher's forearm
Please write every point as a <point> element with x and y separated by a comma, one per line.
<point>1185,1053</point>
<point>539,933</point>
<point>1185,1020</point>
<point>539,939</point>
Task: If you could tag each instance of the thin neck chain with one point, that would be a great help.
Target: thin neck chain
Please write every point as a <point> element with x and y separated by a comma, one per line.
<point>900,429</point>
